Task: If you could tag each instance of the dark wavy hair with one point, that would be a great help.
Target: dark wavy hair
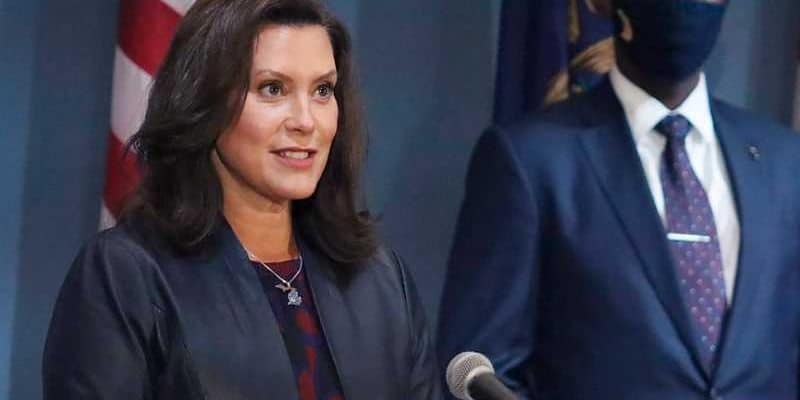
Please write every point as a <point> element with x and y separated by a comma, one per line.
<point>199,91</point>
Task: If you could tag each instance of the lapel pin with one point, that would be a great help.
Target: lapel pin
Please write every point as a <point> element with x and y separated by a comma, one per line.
<point>755,154</point>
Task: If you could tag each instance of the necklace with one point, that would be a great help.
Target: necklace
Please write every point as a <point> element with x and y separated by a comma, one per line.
<point>292,295</point>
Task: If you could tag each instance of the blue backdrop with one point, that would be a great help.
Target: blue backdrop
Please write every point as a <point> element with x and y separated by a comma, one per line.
<point>427,71</point>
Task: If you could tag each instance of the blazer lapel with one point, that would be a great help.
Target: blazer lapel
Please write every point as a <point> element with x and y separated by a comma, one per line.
<point>752,192</point>
<point>610,147</point>
<point>338,325</point>
<point>231,333</point>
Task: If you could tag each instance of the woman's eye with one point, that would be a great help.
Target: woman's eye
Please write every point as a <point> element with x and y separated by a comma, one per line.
<point>325,90</point>
<point>272,89</point>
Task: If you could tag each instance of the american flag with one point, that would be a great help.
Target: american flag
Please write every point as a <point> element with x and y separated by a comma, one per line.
<point>145,31</point>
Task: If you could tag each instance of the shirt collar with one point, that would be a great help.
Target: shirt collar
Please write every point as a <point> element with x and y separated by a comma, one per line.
<point>644,112</point>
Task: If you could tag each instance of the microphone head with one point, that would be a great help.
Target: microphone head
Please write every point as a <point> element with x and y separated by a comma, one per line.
<point>462,369</point>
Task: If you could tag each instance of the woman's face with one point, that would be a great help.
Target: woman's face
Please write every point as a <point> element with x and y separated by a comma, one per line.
<point>278,147</point>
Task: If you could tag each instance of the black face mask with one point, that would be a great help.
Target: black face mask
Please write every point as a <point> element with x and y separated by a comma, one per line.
<point>671,38</point>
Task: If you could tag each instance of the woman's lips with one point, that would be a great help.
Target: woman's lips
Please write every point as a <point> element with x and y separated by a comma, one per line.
<point>296,158</point>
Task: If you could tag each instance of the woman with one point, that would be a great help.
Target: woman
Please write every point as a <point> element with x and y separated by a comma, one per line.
<point>243,268</point>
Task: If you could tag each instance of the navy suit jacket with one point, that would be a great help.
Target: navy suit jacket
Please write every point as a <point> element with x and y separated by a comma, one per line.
<point>134,321</point>
<point>562,275</point>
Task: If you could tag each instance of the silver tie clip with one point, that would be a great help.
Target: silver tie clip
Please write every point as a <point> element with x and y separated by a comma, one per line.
<point>687,237</point>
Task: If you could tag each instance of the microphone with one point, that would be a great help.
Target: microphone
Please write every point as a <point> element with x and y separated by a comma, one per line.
<point>470,376</point>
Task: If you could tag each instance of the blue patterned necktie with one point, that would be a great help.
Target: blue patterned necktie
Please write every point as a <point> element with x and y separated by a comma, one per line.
<point>693,237</point>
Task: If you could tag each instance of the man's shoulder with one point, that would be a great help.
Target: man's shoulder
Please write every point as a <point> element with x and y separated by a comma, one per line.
<point>567,113</point>
<point>557,123</point>
<point>553,135</point>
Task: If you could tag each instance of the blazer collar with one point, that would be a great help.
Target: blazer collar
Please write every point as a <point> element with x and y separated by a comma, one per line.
<point>228,324</point>
<point>752,191</point>
<point>339,323</point>
<point>327,285</point>
<point>609,146</point>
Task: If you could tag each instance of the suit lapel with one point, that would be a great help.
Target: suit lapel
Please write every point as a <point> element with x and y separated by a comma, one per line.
<point>610,148</point>
<point>751,191</point>
<point>338,325</point>
<point>229,327</point>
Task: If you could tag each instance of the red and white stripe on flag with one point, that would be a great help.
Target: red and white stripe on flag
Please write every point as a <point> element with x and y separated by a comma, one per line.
<point>145,31</point>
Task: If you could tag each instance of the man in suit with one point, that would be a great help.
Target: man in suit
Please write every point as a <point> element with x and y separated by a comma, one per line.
<point>641,241</point>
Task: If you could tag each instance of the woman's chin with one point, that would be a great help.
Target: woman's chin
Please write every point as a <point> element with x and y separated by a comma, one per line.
<point>293,194</point>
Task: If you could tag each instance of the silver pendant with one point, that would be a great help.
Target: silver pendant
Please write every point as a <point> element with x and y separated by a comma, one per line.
<point>291,293</point>
<point>294,298</point>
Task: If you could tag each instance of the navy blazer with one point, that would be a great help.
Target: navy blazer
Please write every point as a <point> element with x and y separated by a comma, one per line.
<point>135,321</point>
<point>561,272</point>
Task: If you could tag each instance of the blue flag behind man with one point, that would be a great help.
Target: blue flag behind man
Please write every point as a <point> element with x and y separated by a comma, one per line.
<point>549,50</point>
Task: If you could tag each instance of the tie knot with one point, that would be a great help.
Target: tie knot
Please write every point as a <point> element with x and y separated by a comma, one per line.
<point>675,127</point>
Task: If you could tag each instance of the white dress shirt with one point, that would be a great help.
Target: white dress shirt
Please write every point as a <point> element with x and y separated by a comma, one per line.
<point>644,112</point>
